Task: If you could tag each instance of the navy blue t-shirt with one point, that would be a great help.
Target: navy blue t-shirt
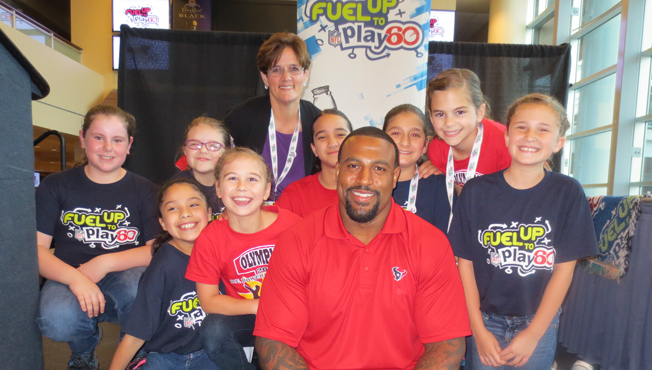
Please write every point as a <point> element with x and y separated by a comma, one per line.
<point>514,237</point>
<point>211,193</point>
<point>166,313</point>
<point>432,200</point>
<point>87,219</point>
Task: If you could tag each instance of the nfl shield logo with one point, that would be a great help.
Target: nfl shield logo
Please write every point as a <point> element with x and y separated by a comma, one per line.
<point>334,37</point>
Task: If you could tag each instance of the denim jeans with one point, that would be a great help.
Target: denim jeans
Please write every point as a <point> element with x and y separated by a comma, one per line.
<point>171,361</point>
<point>505,328</point>
<point>224,338</point>
<point>61,319</point>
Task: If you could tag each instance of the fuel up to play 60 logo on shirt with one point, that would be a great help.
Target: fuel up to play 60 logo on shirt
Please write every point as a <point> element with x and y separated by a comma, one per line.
<point>107,229</point>
<point>524,247</point>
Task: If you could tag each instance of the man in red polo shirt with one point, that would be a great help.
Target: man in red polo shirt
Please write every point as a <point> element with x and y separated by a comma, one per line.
<point>362,284</point>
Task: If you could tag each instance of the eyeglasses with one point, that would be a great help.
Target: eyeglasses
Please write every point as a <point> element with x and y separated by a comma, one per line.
<point>196,145</point>
<point>277,71</point>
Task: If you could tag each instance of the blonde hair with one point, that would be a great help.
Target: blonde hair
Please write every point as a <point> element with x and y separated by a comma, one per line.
<point>237,152</point>
<point>541,99</point>
<point>212,122</point>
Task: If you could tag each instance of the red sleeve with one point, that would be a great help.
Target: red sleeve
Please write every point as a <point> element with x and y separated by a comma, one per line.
<point>285,200</point>
<point>500,153</point>
<point>204,261</point>
<point>437,155</point>
<point>283,308</point>
<point>440,306</point>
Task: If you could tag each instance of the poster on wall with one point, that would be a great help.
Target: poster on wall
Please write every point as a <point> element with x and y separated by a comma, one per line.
<point>191,15</point>
<point>141,14</point>
<point>367,56</point>
<point>442,25</point>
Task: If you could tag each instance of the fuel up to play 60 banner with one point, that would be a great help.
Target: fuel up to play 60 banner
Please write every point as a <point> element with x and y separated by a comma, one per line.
<point>367,55</point>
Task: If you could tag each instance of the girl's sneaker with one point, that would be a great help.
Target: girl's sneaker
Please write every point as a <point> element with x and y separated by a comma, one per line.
<point>83,361</point>
<point>581,365</point>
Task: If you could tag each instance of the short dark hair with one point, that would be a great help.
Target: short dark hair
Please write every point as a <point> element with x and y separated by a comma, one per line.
<point>374,132</point>
<point>272,49</point>
<point>333,112</point>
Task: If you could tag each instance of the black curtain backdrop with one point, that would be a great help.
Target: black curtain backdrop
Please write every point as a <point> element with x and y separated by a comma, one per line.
<point>507,71</point>
<point>168,78</point>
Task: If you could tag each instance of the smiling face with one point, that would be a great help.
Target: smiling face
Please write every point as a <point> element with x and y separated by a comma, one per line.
<point>106,143</point>
<point>287,88</point>
<point>365,178</point>
<point>407,131</point>
<point>202,161</point>
<point>454,117</point>
<point>243,186</point>
<point>329,132</point>
<point>184,214</point>
<point>533,135</point>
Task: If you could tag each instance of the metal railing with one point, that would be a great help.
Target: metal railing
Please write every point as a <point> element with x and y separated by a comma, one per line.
<point>23,23</point>
<point>62,143</point>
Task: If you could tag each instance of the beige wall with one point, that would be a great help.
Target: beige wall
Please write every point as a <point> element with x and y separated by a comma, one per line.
<point>507,21</point>
<point>73,87</point>
<point>443,4</point>
<point>91,29</point>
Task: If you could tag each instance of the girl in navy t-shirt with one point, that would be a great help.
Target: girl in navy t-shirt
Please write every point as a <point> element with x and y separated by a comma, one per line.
<point>426,197</point>
<point>166,316</point>
<point>102,220</point>
<point>517,234</point>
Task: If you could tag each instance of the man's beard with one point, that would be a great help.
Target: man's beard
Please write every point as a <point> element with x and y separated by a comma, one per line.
<point>361,216</point>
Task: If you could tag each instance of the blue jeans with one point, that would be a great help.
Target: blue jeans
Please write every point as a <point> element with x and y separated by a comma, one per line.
<point>171,361</point>
<point>505,328</point>
<point>225,336</point>
<point>61,319</point>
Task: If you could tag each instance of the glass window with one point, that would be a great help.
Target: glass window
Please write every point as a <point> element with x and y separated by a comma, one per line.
<point>5,17</point>
<point>649,92</point>
<point>590,10</point>
<point>589,158</point>
<point>598,49</point>
<point>594,105</point>
<point>594,192</point>
<point>541,5</point>
<point>642,153</point>
<point>545,33</point>
<point>33,32</point>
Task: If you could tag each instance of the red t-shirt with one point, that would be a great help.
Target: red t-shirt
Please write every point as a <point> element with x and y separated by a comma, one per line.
<point>346,305</point>
<point>239,259</point>
<point>306,196</point>
<point>494,155</point>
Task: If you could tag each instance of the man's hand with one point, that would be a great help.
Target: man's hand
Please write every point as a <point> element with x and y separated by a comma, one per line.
<point>275,355</point>
<point>442,355</point>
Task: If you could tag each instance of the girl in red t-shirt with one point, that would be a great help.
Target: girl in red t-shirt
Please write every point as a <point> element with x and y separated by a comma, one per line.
<point>317,191</point>
<point>467,143</point>
<point>236,250</point>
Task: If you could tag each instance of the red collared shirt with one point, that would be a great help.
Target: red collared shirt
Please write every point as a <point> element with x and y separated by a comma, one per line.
<point>347,305</point>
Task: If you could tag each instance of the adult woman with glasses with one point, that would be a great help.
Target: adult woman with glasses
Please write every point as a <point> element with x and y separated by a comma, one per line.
<point>279,126</point>
<point>206,139</point>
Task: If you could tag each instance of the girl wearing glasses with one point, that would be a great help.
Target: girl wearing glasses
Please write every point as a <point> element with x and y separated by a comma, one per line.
<point>205,140</point>
<point>279,126</point>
